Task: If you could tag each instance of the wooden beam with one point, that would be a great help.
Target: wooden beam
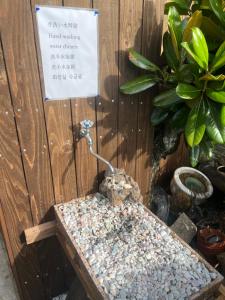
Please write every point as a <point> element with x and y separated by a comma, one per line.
<point>40,232</point>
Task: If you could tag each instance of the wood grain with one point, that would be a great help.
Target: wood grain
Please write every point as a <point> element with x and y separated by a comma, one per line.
<point>15,213</point>
<point>43,160</point>
<point>24,80</point>
<point>86,164</point>
<point>151,43</point>
<point>22,68</point>
<point>60,141</point>
<point>40,232</point>
<point>107,103</point>
<point>60,136</point>
<point>129,37</point>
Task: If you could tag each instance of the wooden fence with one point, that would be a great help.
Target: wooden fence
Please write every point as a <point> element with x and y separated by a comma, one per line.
<point>42,160</point>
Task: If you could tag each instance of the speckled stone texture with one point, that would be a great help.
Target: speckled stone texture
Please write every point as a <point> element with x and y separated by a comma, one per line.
<point>185,228</point>
<point>119,186</point>
<point>132,255</point>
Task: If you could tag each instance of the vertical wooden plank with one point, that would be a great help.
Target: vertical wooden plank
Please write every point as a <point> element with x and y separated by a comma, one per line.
<point>60,137</point>
<point>129,37</point>
<point>24,80</point>
<point>86,164</point>
<point>151,42</point>
<point>15,213</point>
<point>107,103</point>
<point>21,64</point>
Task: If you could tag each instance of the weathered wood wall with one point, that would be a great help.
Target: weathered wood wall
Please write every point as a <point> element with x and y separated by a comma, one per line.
<point>42,161</point>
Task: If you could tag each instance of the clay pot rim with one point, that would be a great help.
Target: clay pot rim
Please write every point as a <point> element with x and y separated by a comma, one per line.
<point>204,233</point>
<point>219,168</point>
<point>189,170</point>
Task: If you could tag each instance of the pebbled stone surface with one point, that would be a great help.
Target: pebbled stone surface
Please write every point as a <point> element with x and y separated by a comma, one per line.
<point>132,255</point>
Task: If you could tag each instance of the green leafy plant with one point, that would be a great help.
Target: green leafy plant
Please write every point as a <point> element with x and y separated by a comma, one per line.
<point>192,82</point>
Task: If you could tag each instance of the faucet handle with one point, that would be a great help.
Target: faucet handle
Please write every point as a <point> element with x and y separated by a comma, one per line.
<point>86,124</point>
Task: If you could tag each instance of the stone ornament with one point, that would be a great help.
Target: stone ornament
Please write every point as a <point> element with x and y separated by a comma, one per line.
<point>119,186</point>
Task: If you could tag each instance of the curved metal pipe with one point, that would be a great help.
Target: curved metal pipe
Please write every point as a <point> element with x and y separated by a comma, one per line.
<point>85,132</point>
<point>112,170</point>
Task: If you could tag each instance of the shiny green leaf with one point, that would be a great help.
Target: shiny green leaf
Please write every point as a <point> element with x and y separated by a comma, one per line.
<point>184,22</point>
<point>194,155</point>
<point>206,150</point>
<point>212,30</point>
<point>217,8</point>
<point>217,96</point>
<point>210,77</point>
<point>191,103</point>
<point>166,99</point>
<point>194,21</point>
<point>195,126</point>
<point>158,116</point>
<point>222,115</point>
<point>215,130</point>
<point>213,45</point>
<point>140,61</point>
<point>205,4</point>
<point>169,51</point>
<point>217,85</point>
<point>179,119</point>
<point>219,59</point>
<point>174,43</point>
<point>185,73</point>
<point>187,91</point>
<point>171,78</point>
<point>181,4</point>
<point>200,46</point>
<point>175,29</point>
<point>180,10</point>
<point>139,84</point>
<point>190,51</point>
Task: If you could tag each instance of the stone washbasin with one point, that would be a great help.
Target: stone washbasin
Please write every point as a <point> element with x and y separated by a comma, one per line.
<point>126,252</point>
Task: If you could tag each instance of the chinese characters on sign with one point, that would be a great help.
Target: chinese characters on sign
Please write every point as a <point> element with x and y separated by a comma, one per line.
<point>68,40</point>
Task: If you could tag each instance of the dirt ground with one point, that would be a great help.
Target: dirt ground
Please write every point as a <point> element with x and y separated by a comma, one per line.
<point>8,289</point>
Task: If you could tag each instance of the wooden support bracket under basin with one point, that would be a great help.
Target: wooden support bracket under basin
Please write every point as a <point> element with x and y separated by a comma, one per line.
<point>40,232</point>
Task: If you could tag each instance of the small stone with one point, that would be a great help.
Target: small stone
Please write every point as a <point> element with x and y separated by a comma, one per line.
<point>185,228</point>
<point>119,186</point>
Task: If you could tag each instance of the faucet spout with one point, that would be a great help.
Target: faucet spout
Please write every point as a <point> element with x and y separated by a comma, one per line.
<point>85,132</point>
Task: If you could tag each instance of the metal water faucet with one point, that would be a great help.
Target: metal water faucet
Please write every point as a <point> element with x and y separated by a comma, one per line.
<point>85,132</point>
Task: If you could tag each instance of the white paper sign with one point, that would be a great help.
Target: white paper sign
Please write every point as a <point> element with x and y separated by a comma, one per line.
<point>68,40</point>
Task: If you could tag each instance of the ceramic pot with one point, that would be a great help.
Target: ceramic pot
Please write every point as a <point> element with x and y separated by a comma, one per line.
<point>221,171</point>
<point>211,242</point>
<point>216,175</point>
<point>189,187</point>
